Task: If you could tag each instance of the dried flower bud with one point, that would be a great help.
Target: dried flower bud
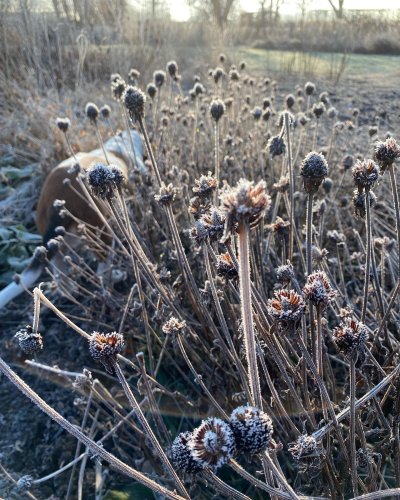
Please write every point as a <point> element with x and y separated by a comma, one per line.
<point>282,185</point>
<point>252,429</point>
<point>205,186</point>
<point>386,153</point>
<point>199,207</point>
<point>365,174</point>
<point>314,168</point>
<point>63,124</point>
<point>276,146</point>
<point>134,101</point>
<point>166,194</point>
<point>284,273</point>
<point>318,289</point>
<point>174,327</point>
<point>209,226</point>
<point>348,162</point>
<point>29,341</point>
<point>350,336</point>
<point>181,454</point>
<point>287,307</point>
<point>118,87</point>
<point>225,267</point>
<point>212,444</point>
<point>105,347</point>
<point>217,74</point>
<point>309,88</point>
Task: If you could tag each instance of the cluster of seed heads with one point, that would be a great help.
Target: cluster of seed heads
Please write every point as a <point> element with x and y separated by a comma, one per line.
<point>104,179</point>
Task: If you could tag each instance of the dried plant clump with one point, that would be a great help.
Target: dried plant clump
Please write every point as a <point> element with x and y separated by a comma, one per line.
<point>252,429</point>
<point>307,452</point>
<point>209,226</point>
<point>105,347</point>
<point>174,327</point>
<point>212,443</point>
<point>276,146</point>
<point>166,194</point>
<point>205,186</point>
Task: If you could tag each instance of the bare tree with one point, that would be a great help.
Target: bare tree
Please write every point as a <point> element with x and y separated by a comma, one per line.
<point>218,10</point>
<point>337,8</point>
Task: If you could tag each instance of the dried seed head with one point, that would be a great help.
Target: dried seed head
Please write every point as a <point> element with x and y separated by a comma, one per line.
<point>166,194</point>
<point>318,289</point>
<point>205,186</point>
<point>281,228</point>
<point>318,109</point>
<point>314,168</point>
<point>105,347</point>
<point>245,202</point>
<point>134,75</point>
<point>282,185</point>
<point>365,174</point>
<point>350,336</point>
<point>217,109</point>
<point>290,101</point>
<point>348,162</point>
<point>284,273</point>
<point>24,483</point>
<point>360,209</point>
<point>181,456</point>
<point>324,97</point>
<point>256,112</point>
<point>307,452</point>
<point>134,101</point>
<point>303,119</point>
<point>210,226</point>
<point>309,88</point>
<point>63,124</point>
<point>234,75</point>
<point>252,429</point>
<point>151,89</point>
<point>172,68</point>
<point>373,130</point>
<point>199,207</point>
<point>174,327</point>
<point>225,267</point>
<point>332,112</point>
<point>212,444</point>
<point>92,111</point>
<point>276,146</point>
<point>266,114</point>
<point>159,78</point>
<point>218,73</point>
<point>386,153</point>
<point>104,179</point>
<point>287,306</point>
<point>327,185</point>
<point>29,341</point>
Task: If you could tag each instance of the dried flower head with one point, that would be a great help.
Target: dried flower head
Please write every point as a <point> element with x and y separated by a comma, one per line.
<point>174,327</point>
<point>244,203</point>
<point>218,74</point>
<point>360,209</point>
<point>318,289</point>
<point>217,109</point>
<point>307,452</point>
<point>92,111</point>
<point>104,179</point>
<point>166,194</point>
<point>225,267</point>
<point>159,77</point>
<point>365,174</point>
<point>213,443</point>
<point>290,101</point>
<point>287,307</point>
<point>386,153</point>
<point>63,124</point>
<point>24,483</point>
<point>105,111</point>
<point>151,89</point>
<point>134,101</point>
<point>118,86</point>
<point>318,109</point>
<point>284,273</point>
<point>199,206</point>
<point>105,347</point>
<point>257,112</point>
<point>234,75</point>
<point>181,454</point>
<point>373,130</point>
<point>205,186</point>
<point>134,75</point>
<point>309,88</point>
<point>350,336</point>
<point>209,226</point>
<point>276,146</point>
<point>252,429</point>
<point>29,341</point>
<point>314,168</point>
<point>348,162</point>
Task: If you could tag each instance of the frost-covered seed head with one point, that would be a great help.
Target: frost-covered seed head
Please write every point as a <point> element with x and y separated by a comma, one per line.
<point>92,111</point>
<point>284,273</point>
<point>314,169</point>
<point>217,109</point>
<point>318,289</point>
<point>386,153</point>
<point>225,267</point>
<point>29,341</point>
<point>252,429</point>
<point>24,483</point>
<point>181,455</point>
<point>134,101</point>
<point>212,444</point>
<point>276,146</point>
<point>350,336</point>
<point>290,101</point>
<point>134,75</point>
<point>166,194</point>
<point>172,68</point>
<point>63,124</point>
<point>104,179</point>
<point>205,186</point>
<point>360,209</point>
<point>209,225</point>
<point>159,78</point>
<point>105,347</point>
<point>287,306</point>
<point>105,111</point>
<point>174,327</point>
<point>151,89</point>
<point>318,109</point>
<point>365,174</point>
<point>307,452</point>
<point>309,88</point>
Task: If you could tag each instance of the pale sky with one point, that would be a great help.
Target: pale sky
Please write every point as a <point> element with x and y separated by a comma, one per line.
<point>180,10</point>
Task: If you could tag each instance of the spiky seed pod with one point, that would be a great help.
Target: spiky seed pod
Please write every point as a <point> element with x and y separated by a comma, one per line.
<point>105,347</point>
<point>212,444</point>
<point>252,429</point>
<point>365,174</point>
<point>92,112</point>
<point>181,456</point>
<point>217,109</point>
<point>205,186</point>
<point>151,89</point>
<point>105,111</point>
<point>276,146</point>
<point>287,307</point>
<point>159,78</point>
<point>360,209</point>
<point>63,124</point>
<point>134,101</point>
<point>350,336</point>
<point>386,153</point>
<point>318,109</point>
<point>104,179</point>
<point>245,202</point>
<point>209,226</point>
<point>29,341</point>
<point>307,452</point>
<point>134,75</point>
<point>290,101</point>
<point>174,327</point>
<point>318,289</point>
<point>284,273</point>
<point>172,68</point>
<point>225,267</point>
<point>166,194</point>
<point>309,88</point>
<point>314,169</point>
